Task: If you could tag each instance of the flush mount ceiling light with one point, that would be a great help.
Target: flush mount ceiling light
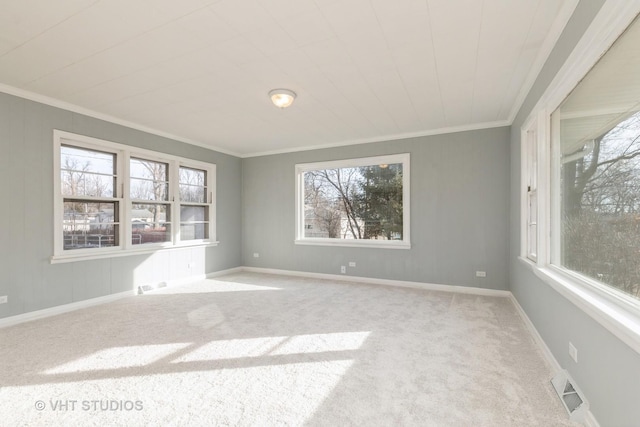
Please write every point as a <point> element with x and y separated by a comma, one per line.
<point>282,98</point>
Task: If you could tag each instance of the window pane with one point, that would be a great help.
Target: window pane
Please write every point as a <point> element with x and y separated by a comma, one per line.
<point>193,224</point>
<point>354,203</point>
<point>89,225</point>
<point>599,184</point>
<point>532,237</point>
<point>149,180</point>
<point>192,185</point>
<point>195,231</point>
<point>193,213</point>
<point>150,223</point>
<point>149,190</point>
<point>86,172</point>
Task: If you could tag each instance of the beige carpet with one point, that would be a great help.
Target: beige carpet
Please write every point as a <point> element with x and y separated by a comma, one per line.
<point>259,350</point>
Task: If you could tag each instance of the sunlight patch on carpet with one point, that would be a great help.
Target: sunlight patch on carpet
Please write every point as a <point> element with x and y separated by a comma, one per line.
<point>288,394</point>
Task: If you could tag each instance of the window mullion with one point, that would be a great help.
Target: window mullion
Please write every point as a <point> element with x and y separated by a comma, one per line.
<point>174,200</point>
<point>212,203</point>
<point>125,206</point>
<point>554,194</point>
<point>542,187</point>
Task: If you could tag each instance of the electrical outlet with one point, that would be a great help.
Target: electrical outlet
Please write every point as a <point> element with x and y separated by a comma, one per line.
<point>352,263</point>
<point>4,299</point>
<point>573,352</point>
<point>343,269</point>
<point>256,255</point>
<point>481,274</point>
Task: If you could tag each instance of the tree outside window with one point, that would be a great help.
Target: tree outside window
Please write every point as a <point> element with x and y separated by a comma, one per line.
<point>364,201</point>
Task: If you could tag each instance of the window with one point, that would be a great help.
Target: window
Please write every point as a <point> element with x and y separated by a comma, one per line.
<point>194,209</point>
<point>530,181</point>
<point>114,199</point>
<point>585,173</point>
<point>356,202</point>
<point>596,140</point>
<point>90,201</point>
<point>150,210</point>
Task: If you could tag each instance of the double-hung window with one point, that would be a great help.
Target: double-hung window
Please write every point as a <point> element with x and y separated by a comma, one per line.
<point>113,199</point>
<point>530,179</point>
<point>90,197</point>
<point>194,203</point>
<point>150,209</point>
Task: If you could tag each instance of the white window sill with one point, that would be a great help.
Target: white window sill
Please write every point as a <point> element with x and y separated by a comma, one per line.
<point>356,243</point>
<point>73,256</point>
<point>619,315</point>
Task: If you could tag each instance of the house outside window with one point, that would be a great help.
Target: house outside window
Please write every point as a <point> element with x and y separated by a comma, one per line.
<point>112,199</point>
<point>89,183</point>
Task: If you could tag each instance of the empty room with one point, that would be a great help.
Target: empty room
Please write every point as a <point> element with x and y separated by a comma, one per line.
<point>320,212</point>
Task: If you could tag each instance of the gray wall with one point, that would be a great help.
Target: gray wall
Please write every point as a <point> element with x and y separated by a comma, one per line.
<point>26,172</point>
<point>608,370</point>
<point>459,212</point>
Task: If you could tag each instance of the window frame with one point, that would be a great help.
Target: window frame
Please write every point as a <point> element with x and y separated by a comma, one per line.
<point>529,194</point>
<point>210,197</point>
<point>302,168</point>
<point>130,201</point>
<point>124,154</point>
<point>616,311</point>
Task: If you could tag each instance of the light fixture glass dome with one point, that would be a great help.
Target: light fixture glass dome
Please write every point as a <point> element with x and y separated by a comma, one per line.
<point>282,98</point>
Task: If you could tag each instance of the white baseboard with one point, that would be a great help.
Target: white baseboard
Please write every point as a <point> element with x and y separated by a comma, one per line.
<point>60,309</point>
<point>386,282</point>
<point>590,420</point>
<point>546,352</point>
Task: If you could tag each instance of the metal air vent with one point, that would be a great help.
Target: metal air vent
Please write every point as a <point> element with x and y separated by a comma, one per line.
<point>572,399</point>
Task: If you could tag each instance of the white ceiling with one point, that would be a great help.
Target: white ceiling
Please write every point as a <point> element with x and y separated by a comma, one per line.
<point>200,70</point>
